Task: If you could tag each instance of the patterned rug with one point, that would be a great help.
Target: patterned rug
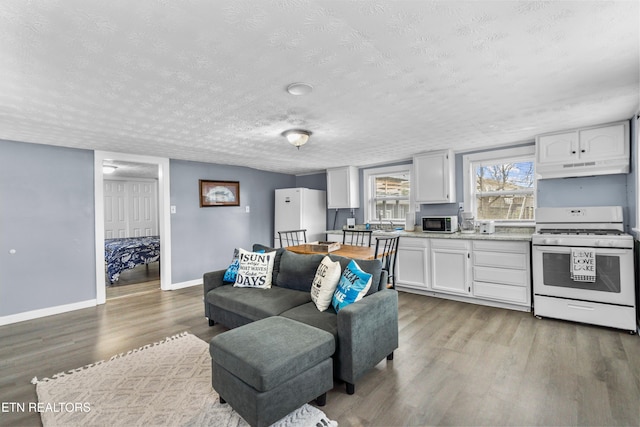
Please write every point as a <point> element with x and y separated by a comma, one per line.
<point>162,384</point>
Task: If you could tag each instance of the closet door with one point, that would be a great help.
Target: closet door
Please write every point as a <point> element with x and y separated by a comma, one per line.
<point>143,209</point>
<point>115,209</point>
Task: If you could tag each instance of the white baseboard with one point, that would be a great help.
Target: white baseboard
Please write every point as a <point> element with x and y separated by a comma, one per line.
<point>181,285</point>
<point>49,311</point>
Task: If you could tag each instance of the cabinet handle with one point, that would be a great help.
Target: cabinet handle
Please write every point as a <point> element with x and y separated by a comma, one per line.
<point>583,151</point>
<point>573,152</point>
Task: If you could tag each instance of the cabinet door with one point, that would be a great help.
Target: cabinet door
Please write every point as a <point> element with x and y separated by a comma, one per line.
<point>450,271</point>
<point>342,188</point>
<point>434,177</point>
<point>411,267</point>
<point>603,143</point>
<point>558,148</point>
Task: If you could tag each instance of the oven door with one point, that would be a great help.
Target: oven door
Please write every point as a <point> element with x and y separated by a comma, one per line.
<point>614,282</point>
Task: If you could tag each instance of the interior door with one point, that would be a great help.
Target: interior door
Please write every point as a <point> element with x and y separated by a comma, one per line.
<point>115,209</point>
<point>143,209</point>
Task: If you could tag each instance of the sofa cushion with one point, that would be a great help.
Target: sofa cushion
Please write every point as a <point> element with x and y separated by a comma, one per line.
<point>308,313</point>
<point>325,283</point>
<point>371,266</point>
<point>256,304</point>
<point>352,287</point>
<point>255,269</point>
<point>297,270</point>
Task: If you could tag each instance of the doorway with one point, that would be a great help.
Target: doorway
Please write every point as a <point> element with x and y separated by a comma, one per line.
<point>132,236</point>
<point>159,167</point>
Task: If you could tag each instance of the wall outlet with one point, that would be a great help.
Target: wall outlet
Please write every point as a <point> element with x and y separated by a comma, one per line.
<point>173,209</point>
<point>247,209</point>
<point>461,206</point>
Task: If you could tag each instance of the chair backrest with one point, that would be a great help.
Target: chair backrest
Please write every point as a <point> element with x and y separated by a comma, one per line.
<point>356,237</point>
<point>387,251</point>
<point>292,237</point>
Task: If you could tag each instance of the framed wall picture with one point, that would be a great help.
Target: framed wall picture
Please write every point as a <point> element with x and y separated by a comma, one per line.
<point>219,193</point>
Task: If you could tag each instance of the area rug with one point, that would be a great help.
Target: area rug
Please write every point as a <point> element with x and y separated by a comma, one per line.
<point>167,383</point>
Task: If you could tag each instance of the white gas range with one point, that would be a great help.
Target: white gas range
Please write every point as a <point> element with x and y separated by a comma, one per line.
<point>582,263</point>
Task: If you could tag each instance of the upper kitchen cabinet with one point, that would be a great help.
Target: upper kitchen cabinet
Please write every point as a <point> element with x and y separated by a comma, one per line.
<point>343,189</point>
<point>434,177</point>
<point>597,150</point>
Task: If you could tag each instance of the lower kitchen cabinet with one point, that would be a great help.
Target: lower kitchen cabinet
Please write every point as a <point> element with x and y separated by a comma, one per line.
<point>449,260</point>
<point>411,263</point>
<point>501,272</point>
<point>489,272</point>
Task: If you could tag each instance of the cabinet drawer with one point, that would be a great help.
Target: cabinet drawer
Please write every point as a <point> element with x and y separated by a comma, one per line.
<point>450,244</point>
<point>495,291</point>
<point>503,260</point>
<point>500,275</point>
<point>409,242</point>
<point>500,246</point>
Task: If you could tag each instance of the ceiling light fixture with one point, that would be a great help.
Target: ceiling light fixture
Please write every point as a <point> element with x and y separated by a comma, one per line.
<point>299,88</point>
<point>297,137</point>
<point>108,169</point>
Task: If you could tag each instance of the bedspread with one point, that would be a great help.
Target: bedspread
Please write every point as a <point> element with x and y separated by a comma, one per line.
<point>129,252</point>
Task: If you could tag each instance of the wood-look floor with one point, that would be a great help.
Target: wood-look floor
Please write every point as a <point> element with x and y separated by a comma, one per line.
<point>458,364</point>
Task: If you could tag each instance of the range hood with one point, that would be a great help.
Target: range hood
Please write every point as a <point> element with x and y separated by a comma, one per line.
<point>597,167</point>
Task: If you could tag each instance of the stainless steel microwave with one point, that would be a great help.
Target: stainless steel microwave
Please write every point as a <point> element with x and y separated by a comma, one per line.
<point>440,224</point>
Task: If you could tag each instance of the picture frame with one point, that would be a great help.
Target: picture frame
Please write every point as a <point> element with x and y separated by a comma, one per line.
<point>219,193</point>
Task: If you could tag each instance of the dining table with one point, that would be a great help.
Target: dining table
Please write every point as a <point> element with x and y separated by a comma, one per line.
<point>348,251</point>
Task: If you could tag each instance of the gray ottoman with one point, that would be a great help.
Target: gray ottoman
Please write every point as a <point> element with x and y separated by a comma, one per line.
<point>269,368</point>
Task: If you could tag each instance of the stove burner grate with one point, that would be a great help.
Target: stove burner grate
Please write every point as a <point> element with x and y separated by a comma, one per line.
<point>580,231</point>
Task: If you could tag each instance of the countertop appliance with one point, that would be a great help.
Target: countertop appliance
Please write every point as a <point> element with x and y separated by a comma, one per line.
<point>300,208</point>
<point>487,227</point>
<point>582,264</point>
<point>440,224</point>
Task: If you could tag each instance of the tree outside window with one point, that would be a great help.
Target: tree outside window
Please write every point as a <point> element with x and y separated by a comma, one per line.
<point>504,191</point>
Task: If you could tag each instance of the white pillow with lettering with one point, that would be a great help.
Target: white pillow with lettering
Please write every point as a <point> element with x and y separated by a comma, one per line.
<point>325,283</point>
<point>254,269</point>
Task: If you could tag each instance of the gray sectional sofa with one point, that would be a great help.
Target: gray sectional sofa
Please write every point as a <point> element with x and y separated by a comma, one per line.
<point>365,332</point>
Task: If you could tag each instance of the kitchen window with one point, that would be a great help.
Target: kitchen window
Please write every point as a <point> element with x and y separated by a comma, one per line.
<point>499,185</point>
<point>387,194</point>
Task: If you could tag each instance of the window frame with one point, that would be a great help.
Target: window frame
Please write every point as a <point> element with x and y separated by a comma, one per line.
<point>369,190</point>
<point>524,153</point>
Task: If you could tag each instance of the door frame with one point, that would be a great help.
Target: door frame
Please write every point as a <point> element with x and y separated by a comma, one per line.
<point>164,222</point>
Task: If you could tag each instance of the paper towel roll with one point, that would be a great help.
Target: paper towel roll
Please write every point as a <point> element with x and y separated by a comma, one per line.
<point>410,222</point>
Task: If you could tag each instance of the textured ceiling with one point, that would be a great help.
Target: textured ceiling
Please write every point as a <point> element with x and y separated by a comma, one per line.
<point>205,80</point>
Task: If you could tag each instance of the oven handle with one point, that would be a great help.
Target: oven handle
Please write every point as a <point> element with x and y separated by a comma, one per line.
<point>567,250</point>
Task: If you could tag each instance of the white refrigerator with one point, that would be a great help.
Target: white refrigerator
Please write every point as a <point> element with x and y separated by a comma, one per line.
<point>301,208</point>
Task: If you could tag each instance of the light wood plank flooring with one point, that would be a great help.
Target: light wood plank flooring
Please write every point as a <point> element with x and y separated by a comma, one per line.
<point>458,364</point>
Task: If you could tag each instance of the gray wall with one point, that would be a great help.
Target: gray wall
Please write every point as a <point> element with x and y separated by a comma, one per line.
<point>47,216</point>
<point>203,239</point>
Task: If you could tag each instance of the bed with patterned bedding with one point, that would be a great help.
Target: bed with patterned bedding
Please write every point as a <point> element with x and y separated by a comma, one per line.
<point>122,254</point>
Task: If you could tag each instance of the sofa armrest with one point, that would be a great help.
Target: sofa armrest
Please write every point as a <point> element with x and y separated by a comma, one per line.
<point>210,281</point>
<point>367,333</point>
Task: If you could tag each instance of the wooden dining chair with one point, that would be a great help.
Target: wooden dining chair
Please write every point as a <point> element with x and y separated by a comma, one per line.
<point>356,237</point>
<point>292,237</point>
<point>387,251</point>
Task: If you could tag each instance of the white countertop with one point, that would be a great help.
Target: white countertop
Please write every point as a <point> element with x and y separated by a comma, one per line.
<point>510,234</point>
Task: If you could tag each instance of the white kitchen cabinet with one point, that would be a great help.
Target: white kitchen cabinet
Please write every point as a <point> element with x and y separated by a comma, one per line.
<point>411,263</point>
<point>501,272</point>
<point>334,237</point>
<point>590,151</point>
<point>449,263</point>
<point>434,177</point>
<point>478,271</point>
<point>343,188</point>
